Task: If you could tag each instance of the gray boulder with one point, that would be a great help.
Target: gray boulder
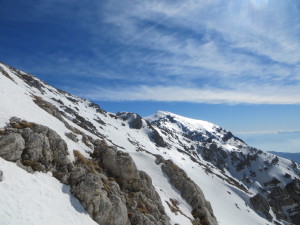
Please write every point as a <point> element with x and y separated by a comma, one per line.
<point>11,146</point>
<point>120,165</point>
<point>45,150</point>
<point>104,203</point>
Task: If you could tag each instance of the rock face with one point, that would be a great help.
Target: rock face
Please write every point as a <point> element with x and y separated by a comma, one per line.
<point>34,146</point>
<point>108,185</point>
<point>72,136</point>
<point>261,204</point>
<point>134,120</point>
<point>202,210</point>
<point>283,197</point>
<point>144,203</point>
<point>11,146</point>
<point>104,202</point>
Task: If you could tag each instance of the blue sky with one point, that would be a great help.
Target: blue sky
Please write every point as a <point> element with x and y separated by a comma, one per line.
<point>235,63</point>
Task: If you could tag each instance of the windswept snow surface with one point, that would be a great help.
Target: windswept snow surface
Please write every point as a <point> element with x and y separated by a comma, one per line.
<point>190,124</point>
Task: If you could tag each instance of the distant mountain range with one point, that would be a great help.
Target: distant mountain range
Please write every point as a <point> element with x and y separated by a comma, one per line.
<point>288,155</point>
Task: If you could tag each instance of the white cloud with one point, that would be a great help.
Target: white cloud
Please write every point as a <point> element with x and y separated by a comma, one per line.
<point>247,94</point>
<point>211,51</point>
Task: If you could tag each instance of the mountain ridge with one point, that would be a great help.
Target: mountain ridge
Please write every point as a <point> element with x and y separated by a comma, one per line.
<point>212,157</point>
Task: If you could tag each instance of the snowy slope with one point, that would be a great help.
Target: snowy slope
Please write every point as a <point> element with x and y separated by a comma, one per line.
<point>228,171</point>
<point>37,199</point>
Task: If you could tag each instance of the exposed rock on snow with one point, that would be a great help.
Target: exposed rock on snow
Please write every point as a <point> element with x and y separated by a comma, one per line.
<point>109,197</point>
<point>11,146</point>
<point>282,198</point>
<point>228,171</point>
<point>102,199</point>
<point>261,204</point>
<point>72,136</point>
<point>144,203</point>
<point>1,175</point>
<point>202,210</point>
<point>134,120</point>
<point>36,146</point>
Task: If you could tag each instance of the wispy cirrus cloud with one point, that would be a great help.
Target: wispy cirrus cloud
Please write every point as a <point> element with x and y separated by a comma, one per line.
<point>209,51</point>
<point>234,95</point>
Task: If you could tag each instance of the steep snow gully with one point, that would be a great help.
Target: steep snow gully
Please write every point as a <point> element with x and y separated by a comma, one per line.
<point>64,160</point>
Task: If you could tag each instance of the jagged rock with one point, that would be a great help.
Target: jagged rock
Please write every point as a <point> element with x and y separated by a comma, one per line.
<point>155,136</point>
<point>158,139</point>
<point>143,197</point>
<point>134,120</point>
<point>11,146</point>
<point>159,159</point>
<point>87,141</point>
<point>6,74</point>
<point>46,147</point>
<point>1,175</point>
<point>92,193</point>
<point>79,120</point>
<point>141,219</point>
<point>261,204</point>
<point>97,107</point>
<point>106,200</point>
<point>34,145</point>
<point>120,165</point>
<point>72,136</point>
<point>31,81</point>
<point>289,195</point>
<point>215,155</point>
<point>14,120</point>
<point>49,108</point>
<point>227,136</point>
<point>190,192</point>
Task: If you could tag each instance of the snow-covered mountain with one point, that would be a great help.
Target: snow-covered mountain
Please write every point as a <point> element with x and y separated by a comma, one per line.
<point>67,161</point>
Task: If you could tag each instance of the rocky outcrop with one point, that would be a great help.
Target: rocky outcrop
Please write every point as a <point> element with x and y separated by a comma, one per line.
<point>261,204</point>
<point>158,139</point>
<point>155,136</point>
<point>2,71</point>
<point>134,120</point>
<point>48,107</point>
<point>108,185</point>
<point>143,202</point>
<point>286,197</point>
<point>1,175</point>
<point>72,136</point>
<point>97,108</point>
<point>202,210</point>
<point>33,145</point>
<point>102,198</point>
<point>11,146</point>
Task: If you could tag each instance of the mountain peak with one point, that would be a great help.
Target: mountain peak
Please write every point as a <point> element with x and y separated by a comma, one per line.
<point>190,124</point>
